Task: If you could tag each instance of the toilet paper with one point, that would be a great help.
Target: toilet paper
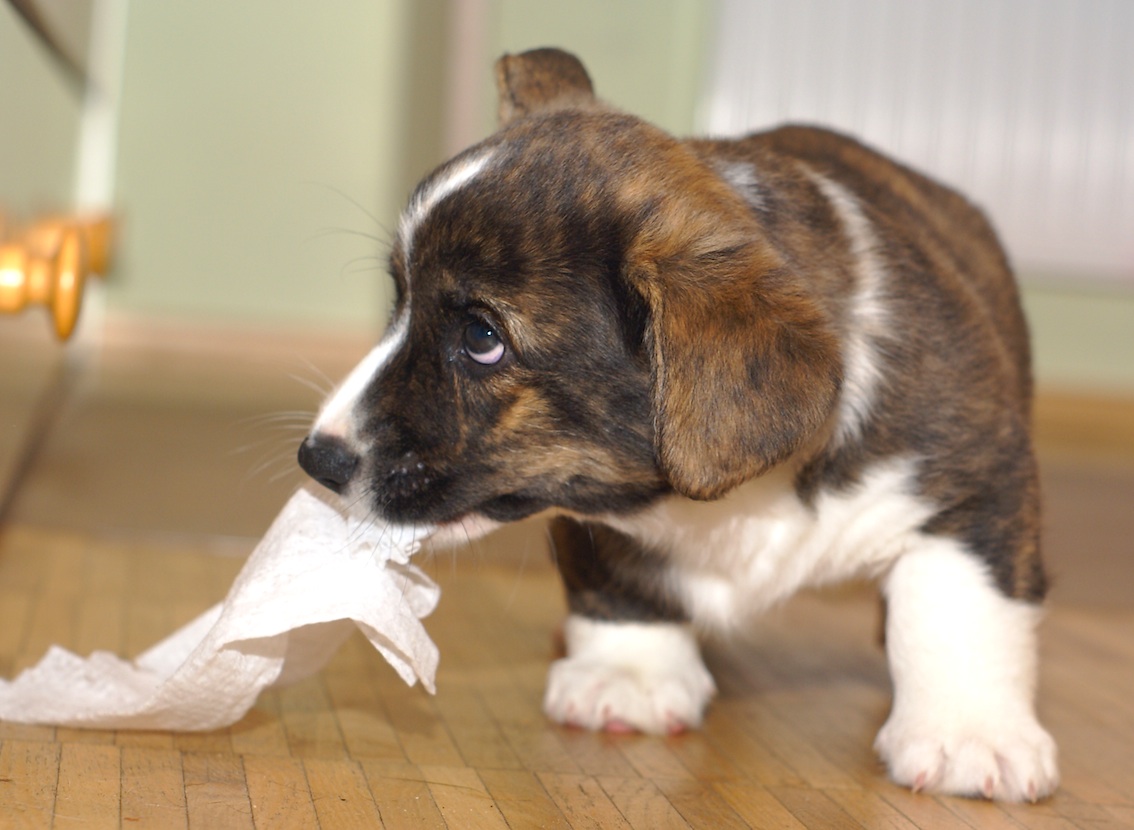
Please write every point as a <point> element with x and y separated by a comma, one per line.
<point>317,574</point>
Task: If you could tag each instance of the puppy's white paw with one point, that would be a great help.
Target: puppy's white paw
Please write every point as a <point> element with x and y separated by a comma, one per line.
<point>620,698</point>
<point>1009,760</point>
<point>623,677</point>
<point>963,659</point>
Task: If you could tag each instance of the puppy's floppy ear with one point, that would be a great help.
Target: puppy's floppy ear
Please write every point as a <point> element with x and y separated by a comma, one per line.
<point>541,80</point>
<point>746,366</point>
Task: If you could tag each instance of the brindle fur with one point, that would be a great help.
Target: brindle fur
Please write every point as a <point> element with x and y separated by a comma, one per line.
<point>669,332</point>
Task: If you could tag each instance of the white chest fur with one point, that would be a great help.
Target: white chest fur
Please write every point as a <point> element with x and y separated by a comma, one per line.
<point>733,558</point>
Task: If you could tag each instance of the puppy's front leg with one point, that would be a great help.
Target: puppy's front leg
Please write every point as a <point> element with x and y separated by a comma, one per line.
<point>963,660</point>
<point>633,662</point>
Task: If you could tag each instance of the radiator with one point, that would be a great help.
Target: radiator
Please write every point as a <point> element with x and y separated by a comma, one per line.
<point>1025,105</point>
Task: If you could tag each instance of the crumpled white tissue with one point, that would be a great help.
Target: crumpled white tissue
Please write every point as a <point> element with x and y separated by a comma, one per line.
<point>317,573</point>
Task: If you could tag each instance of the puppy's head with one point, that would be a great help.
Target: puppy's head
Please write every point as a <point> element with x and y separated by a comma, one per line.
<point>587,317</point>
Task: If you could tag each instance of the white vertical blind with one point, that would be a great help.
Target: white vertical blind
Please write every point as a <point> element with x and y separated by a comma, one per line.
<point>1026,106</point>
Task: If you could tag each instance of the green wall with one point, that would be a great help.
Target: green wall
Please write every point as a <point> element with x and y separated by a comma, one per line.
<point>1082,337</point>
<point>39,124</point>
<point>258,159</point>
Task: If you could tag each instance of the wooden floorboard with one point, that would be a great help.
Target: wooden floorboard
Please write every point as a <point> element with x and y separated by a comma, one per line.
<point>787,743</point>
<point>95,555</point>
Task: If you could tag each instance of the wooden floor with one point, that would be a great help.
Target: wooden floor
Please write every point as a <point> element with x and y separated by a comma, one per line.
<point>131,492</point>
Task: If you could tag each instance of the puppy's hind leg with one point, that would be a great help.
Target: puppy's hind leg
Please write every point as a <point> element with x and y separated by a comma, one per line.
<point>633,662</point>
<point>963,660</point>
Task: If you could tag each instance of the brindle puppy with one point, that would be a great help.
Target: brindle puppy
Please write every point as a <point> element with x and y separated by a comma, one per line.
<point>732,369</point>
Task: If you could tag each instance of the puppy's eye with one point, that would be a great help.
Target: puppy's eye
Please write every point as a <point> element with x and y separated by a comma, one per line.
<point>482,343</point>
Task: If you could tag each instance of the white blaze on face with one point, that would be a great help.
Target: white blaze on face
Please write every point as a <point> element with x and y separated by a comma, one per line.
<point>337,417</point>
<point>453,179</point>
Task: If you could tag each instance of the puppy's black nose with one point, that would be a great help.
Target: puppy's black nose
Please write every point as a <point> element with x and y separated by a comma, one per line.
<point>328,460</point>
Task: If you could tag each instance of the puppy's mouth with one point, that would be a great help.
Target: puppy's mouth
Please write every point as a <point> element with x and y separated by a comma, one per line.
<point>448,527</point>
<point>467,529</point>
<point>410,491</point>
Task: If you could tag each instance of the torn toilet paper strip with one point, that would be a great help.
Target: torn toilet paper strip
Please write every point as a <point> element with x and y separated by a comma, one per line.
<point>317,574</point>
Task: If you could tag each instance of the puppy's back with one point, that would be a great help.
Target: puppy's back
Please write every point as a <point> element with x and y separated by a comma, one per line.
<point>942,221</point>
<point>937,246</point>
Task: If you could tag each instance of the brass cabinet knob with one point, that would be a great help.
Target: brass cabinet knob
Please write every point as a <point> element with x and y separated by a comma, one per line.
<point>47,265</point>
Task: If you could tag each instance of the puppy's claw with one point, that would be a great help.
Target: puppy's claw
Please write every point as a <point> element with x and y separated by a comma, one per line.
<point>919,782</point>
<point>989,787</point>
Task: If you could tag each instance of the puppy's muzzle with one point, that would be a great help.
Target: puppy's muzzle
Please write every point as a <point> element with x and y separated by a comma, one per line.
<point>328,460</point>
